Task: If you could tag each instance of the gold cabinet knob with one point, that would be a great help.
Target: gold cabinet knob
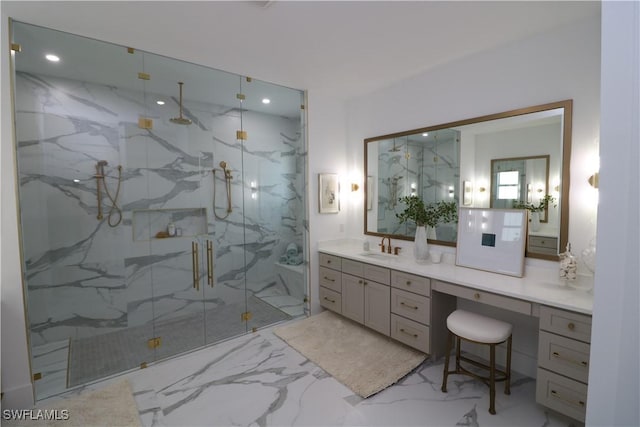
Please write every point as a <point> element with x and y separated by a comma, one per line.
<point>571,326</point>
<point>408,282</point>
<point>476,295</point>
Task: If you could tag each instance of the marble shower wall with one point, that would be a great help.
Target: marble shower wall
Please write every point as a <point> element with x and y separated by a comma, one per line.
<point>86,278</point>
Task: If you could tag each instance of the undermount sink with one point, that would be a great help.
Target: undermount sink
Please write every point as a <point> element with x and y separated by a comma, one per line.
<point>379,255</point>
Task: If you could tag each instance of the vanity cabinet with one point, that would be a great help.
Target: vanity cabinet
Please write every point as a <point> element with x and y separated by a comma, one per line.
<point>366,295</point>
<point>331,282</point>
<point>411,310</point>
<point>563,361</point>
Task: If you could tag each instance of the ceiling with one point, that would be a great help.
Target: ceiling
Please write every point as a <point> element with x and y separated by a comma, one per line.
<point>340,49</point>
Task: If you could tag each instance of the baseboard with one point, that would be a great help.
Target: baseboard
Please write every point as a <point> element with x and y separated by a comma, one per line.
<point>18,397</point>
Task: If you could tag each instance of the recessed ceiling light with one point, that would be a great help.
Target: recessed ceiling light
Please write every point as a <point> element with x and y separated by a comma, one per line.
<point>160,102</point>
<point>266,101</point>
<point>51,57</point>
<point>76,180</point>
<point>425,134</point>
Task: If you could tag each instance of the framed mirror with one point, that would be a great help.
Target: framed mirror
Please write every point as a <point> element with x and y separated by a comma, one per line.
<point>454,162</point>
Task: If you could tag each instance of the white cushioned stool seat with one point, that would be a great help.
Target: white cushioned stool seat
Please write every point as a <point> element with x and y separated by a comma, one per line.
<point>478,328</point>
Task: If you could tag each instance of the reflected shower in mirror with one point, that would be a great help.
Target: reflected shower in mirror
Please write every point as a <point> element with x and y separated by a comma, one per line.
<point>433,163</point>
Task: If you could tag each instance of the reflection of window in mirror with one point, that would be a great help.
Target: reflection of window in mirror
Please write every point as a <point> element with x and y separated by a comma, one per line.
<point>508,185</point>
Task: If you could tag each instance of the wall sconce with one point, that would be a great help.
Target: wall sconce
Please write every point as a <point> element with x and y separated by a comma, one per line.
<point>354,186</point>
<point>413,188</point>
<point>594,180</point>
<point>482,189</point>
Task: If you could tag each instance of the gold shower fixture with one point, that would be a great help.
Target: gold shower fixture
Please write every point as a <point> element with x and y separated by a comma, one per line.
<point>181,120</point>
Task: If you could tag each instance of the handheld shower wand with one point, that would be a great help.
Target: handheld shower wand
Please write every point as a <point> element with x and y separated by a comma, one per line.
<point>227,180</point>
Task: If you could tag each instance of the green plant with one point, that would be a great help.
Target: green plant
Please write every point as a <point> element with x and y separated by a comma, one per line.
<point>547,200</point>
<point>430,214</point>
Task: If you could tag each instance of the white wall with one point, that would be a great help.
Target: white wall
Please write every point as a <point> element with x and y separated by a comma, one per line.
<point>614,375</point>
<point>558,65</point>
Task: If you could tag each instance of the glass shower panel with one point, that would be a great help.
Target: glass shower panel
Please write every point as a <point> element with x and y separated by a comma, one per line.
<point>274,165</point>
<point>71,121</point>
<point>225,296</point>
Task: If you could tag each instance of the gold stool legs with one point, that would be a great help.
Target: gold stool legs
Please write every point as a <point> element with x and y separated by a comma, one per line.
<point>490,380</point>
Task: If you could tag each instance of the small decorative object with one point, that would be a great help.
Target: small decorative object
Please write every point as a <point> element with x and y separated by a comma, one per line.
<point>365,246</point>
<point>328,193</point>
<point>425,216</point>
<point>171,229</point>
<point>536,210</point>
<point>568,265</point>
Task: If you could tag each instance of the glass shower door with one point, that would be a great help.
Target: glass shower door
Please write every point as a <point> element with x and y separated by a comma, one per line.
<point>81,266</point>
<point>273,163</point>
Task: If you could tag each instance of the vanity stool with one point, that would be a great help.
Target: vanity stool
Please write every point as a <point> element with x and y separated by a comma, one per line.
<point>472,327</point>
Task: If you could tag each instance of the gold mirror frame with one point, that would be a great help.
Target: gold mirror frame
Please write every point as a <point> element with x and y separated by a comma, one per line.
<point>565,150</point>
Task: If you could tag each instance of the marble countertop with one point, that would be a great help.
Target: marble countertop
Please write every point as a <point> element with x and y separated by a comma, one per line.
<point>539,285</point>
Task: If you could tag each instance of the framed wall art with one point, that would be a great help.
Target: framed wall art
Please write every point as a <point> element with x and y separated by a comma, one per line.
<point>328,193</point>
<point>492,240</point>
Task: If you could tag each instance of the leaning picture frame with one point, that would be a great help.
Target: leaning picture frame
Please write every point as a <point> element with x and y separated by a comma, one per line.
<point>328,193</point>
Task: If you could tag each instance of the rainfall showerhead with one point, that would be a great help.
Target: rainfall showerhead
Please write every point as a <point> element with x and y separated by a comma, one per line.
<point>181,120</point>
<point>394,149</point>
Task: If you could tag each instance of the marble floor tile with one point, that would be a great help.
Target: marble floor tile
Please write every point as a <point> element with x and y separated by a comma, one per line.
<point>258,380</point>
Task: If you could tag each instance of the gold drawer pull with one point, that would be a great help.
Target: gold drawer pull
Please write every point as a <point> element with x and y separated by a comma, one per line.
<point>407,305</point>
<point>408,282</point>
<point>408,333</point>
<point>331,280</point>
<point>360,282</point>
<point>564,399</point>
<point>476,295</point>
<point>559,356</point>
<point>571,326</point>
<point>328,261</point>
<point>330,300</point>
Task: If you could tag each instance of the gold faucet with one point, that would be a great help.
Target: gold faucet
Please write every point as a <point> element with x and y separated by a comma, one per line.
<point>382,246</point>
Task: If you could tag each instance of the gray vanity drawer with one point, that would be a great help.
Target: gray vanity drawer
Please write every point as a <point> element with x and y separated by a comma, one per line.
<point>566,396</point>
<point>412,306</point>
<point>566,323</point>
<point>330,261</point>
<point>411,333</point>
<point>410,282</point>
<point>564,356</point>
<point>368,271</point>
<point>543,244</point>
<point>512,304</point>
<point>331,279</point>
<point>331,300</point>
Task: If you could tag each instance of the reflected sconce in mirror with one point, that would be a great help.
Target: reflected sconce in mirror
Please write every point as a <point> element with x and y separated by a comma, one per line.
<point>594,180</point>
<point>467,193</point>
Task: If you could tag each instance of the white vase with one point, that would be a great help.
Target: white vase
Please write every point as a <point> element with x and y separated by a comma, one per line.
<point>420,246</point>
<point>535,221</point>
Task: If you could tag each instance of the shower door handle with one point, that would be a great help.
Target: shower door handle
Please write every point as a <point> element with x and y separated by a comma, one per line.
<point>210,263</point>
<point>195,265</point>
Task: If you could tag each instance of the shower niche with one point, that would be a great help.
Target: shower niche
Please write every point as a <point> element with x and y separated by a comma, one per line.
<point>186,253</point>
<point>168,223</point>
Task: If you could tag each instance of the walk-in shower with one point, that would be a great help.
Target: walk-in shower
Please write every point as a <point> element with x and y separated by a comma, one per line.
<point>128,256</point>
